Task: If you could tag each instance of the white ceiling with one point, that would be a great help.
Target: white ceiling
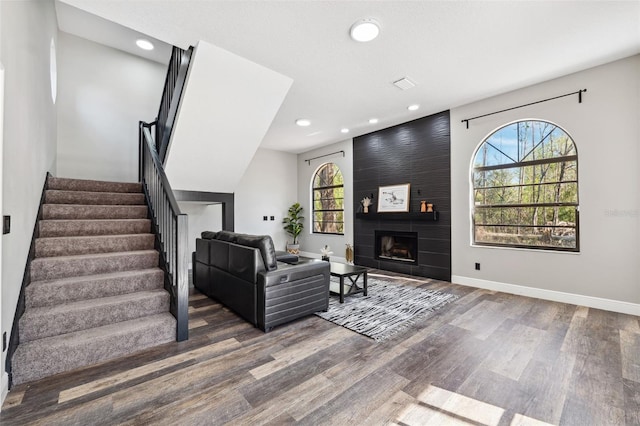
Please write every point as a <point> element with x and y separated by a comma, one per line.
<point>456,52</point>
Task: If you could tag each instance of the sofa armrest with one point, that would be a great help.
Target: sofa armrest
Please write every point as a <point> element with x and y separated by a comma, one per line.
<point>293,272</point>
<point>291,292</point>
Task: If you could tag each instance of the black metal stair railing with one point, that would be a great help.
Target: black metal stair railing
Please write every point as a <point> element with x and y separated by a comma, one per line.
<point>170,101</point>
<point>170,226</point>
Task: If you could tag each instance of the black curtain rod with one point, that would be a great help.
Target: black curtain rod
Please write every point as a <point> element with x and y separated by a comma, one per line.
<point>326,155</point>
<point>579,93</point>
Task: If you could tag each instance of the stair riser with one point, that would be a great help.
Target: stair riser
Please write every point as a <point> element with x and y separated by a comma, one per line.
<point>47,324</point>
<point>62,267</point>
<point>64,228</point>
<point>42,358</point>
<point>71,211</point>
<point>69,246</point>
<point>92,185</point>
<point>92,198</point>
<point>51,293</point>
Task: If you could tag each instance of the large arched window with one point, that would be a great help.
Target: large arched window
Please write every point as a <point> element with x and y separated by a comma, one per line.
<point>525,188</point>
<point>328,200</point>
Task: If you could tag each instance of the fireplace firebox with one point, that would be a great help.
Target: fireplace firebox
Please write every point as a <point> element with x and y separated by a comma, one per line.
<point>396,246</point>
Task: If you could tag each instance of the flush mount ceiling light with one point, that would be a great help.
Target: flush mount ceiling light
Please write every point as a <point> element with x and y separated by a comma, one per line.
<point>344,130</point>
<point>365,30</point>
<point>413,107</point>
<point>373,120</point>
<point>144,44</point>
<point>303,122</point>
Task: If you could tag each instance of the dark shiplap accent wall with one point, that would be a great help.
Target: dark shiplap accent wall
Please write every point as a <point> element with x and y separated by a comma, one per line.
<point>417,152</point>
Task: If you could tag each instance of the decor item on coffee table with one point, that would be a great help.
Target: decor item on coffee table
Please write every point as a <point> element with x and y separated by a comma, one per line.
<point>242,272</point>
<point>294,224</point>
<point>326,253</point>
<point>394,198</point>
<point>353,272</point>
<point>388,309</point>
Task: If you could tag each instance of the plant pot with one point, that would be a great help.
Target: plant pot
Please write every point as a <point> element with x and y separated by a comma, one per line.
<point>293,248</point>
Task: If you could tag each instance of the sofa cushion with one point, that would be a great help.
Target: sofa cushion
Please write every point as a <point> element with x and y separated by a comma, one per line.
<point>286,257</point>
<point>209,235</point>
<point>202,251</point>
<point>265,244</point>
<point>227,236</point>
<point>218,254</point>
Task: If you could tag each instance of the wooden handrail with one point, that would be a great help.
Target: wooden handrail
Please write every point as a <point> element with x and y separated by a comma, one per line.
<point>170,227</point>
<point>170,101</point>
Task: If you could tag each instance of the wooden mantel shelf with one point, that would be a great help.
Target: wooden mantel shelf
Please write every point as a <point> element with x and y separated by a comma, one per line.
<point>433,216</point>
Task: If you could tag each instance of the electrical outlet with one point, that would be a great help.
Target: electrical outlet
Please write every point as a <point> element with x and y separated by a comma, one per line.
<point>264,218</point>
<point>273,218</point>
<point>6,227</point>
<point>477,266</point>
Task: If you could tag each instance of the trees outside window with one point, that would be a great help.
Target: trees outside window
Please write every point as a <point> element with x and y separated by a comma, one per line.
<point>525,188</point>
<point>328,200</point>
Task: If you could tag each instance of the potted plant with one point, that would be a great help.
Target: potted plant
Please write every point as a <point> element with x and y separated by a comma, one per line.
<point>294,225</point>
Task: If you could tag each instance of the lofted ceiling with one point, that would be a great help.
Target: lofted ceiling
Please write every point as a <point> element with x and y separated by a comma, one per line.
<point>456,52</point>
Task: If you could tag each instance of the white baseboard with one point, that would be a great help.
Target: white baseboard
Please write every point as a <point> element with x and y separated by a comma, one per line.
<point>556,296</point>
<point>4,380</point>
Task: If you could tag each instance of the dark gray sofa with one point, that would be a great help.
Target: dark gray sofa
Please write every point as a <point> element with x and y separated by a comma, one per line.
<point>242,272</point>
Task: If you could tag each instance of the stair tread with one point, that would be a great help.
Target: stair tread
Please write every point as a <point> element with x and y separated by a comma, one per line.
<point>51,355</point>
<point>119,274</point>
<point>100,220</point>
<point>42,322</point>
<point>55,211</point>
<point>89,303</point>
<point>102,193</point>
<point>97,237</point>
<point>94,255</point>
<point>91,333</point>
<point>70,184</point>
<point>94,237</point>
<point>66,290</point>
<point>86,227</point>
<point>75,265</point>
<point>70,245</point>
<point>58,196</point>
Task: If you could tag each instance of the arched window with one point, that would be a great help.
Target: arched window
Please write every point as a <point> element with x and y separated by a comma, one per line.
<point>525,188</point>
<point>328,200</point>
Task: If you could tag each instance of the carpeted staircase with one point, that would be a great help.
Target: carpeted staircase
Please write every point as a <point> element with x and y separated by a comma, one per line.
<point>96,291</point>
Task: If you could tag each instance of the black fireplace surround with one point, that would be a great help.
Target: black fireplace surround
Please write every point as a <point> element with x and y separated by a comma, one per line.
<point>416,152</point>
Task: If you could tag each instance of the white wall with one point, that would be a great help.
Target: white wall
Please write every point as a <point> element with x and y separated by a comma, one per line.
<point>226,109</point>
<point>201,217</point>
<point>104,93</point>
<point>310,243</point>
<point>606,130</point>
<point>29,151</point>
<point>267,188</point>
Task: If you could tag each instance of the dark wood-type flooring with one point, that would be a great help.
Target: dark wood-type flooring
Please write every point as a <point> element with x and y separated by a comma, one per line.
<point>487,359</point>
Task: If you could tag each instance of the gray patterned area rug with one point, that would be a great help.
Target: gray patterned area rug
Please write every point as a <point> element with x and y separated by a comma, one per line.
<point>388,308</point>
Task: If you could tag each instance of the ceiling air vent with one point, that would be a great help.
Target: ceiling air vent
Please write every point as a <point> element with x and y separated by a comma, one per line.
<point>404,83</point>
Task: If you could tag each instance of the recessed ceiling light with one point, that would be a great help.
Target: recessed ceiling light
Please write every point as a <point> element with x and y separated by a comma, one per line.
<point>373,120</point>
<point>344,130</point>
<point>365,30</point>
<point>303,122</point>
<point>413,107</point>
<point>144,44</point>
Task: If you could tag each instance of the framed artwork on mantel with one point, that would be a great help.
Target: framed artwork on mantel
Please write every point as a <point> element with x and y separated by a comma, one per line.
<point>394,198</point>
